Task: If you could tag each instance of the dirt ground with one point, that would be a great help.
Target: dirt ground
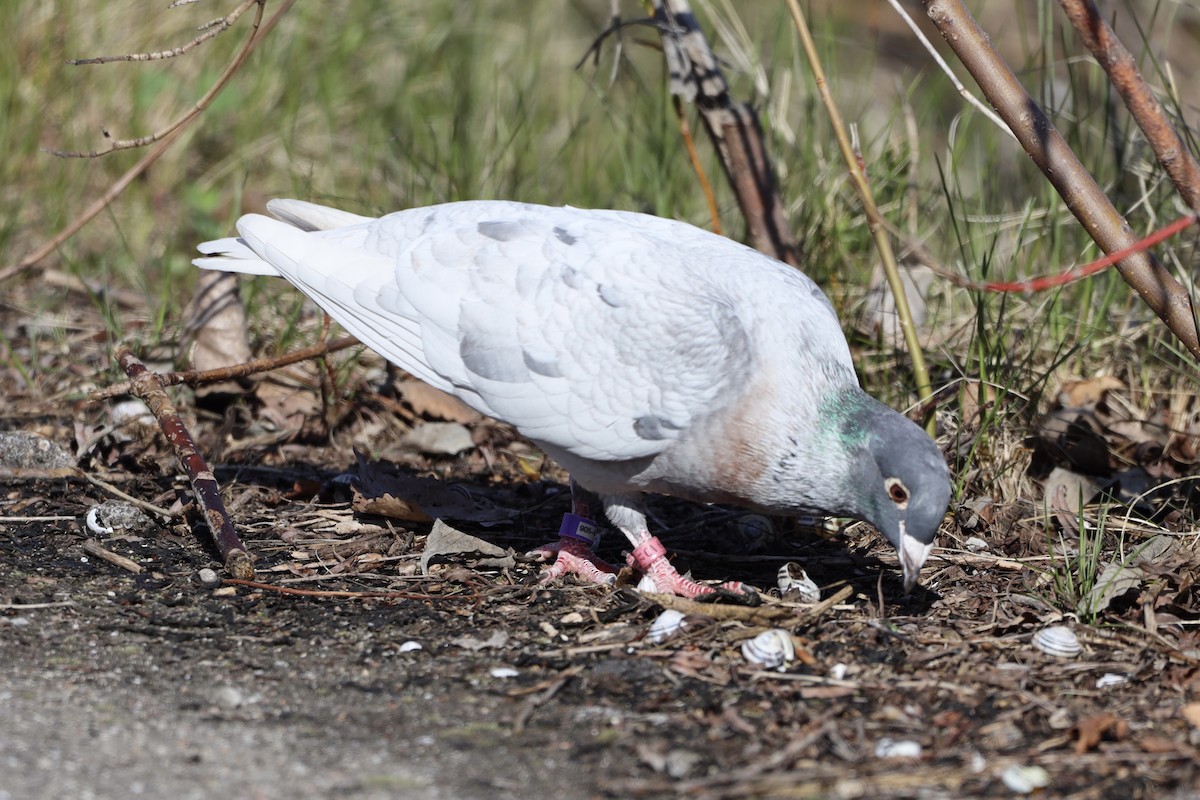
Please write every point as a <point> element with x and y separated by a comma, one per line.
<point>350,673</point>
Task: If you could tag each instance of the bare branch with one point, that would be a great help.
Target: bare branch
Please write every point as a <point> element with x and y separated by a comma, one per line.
<point>1148,113</point>
<point>137,169</point>
<point>695,75</point>
<point>1078,189</point>
<point>211,30</point>
<point>201,104</point>
<point>963,91</point>
<point>146,385</point>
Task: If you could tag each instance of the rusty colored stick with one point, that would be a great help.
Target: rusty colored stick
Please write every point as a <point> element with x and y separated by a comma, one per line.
<point>146,385</point>
<point>1121,67</point>
<point>194,377</point>
<point>1054,157</point>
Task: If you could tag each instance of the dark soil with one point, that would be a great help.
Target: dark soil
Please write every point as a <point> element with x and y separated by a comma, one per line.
<point>153,684</point>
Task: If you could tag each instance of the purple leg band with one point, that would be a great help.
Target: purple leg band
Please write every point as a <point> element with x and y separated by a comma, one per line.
<point>581,528</point>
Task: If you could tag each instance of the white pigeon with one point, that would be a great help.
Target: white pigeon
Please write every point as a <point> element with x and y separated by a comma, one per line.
<point>642,354</point>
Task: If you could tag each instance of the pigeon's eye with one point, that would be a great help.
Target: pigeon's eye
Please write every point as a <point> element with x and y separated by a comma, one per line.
<point>897,491</point>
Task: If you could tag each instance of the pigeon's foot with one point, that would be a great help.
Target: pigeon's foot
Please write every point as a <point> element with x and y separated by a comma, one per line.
<point>573,554</point>
<point>650,558</point>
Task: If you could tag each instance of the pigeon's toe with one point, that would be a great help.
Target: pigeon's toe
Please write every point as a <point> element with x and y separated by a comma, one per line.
<point>572,557</point>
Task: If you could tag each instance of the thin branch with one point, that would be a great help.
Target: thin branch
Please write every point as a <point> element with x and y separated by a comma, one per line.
<point>1079,190</point>
<point>93,547</point>
<point>145,384</point>
<point>685,131</point>
<point>195,377</point>
<point>129,177</point>
<point>211,30</point>
<point>963,91</point>
<point>201,104</point>
<point>1176,160</point>
<point>874,219</point>
<point>1031,285</point>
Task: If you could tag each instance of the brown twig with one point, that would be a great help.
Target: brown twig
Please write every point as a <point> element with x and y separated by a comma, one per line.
<point>1147,112</point>
<point>1079,190</point>
<point>360,595</point>
<point>685,131</point>
<point>92,547</point>
<point>751,615</point>
<point>122,183</point>
<point>201,104</point>
<point>266,364</point>
<point>733,127</point>
<point>146,385</point>
<point>210,31</point>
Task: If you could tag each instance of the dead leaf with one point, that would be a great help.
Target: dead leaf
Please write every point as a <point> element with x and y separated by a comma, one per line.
<point>1092,730</point>
<point>439,438</point>
<point>1087,393</point>
<point>215,328</point>
<point>1114,581</point>
<point>427,401</point>
<point>446,541</point>
<point>1191,712</point>
<point>388,505</point>
<point>1066,493</point>
<point>433,497</point>
<point>497,638</point>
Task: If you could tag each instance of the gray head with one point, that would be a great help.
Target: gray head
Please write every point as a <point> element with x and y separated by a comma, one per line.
<point>901,484</point>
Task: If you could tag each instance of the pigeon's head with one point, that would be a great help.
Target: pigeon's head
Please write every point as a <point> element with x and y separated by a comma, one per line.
<point>902,485</point>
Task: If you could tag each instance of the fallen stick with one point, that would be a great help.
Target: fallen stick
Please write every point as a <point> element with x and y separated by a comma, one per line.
<point>146,385</point>
<point>92,547</point>
<point>196,377</point>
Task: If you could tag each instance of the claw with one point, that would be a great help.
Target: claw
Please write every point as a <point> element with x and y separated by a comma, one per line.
<point>650,558</point>
<point>574,557</point>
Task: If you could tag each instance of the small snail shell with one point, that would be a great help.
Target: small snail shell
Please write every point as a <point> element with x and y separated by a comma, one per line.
<point>794,582</point>
<point>667,624</point>
<point>771,649</point>
<point>1057,640</point>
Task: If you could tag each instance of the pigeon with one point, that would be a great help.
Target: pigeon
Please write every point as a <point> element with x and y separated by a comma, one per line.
<point>642,354</point>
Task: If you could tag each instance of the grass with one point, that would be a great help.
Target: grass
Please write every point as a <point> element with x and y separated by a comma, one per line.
<point>379,105</point>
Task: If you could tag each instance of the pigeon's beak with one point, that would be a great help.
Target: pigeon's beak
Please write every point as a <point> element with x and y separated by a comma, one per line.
<point>912,554</point>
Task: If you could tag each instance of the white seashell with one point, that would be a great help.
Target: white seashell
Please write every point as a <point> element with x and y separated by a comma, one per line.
<point>130,412</point>
<point>95,525</point>
<point>793,580</point>
<point>504,672</point>
<point>409,646</point>
<point>667,624</point>
<point>1025,780</point>
<point>1110,679</point>
<point>1057,640</point>
<point>897,748</point>
<point>771,649</point>
<point>647,585</point>
<point>208,577</point>
<point>756,530</point>
<point>838,671</point>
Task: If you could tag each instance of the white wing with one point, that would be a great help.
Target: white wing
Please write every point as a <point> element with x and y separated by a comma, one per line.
<point>605,334</point>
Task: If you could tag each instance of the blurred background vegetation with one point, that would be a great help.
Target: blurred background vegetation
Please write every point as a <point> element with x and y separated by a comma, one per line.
<point>374,106</point>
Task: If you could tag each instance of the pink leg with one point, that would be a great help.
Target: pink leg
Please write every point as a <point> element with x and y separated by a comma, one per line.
<point>572,554</point>
<point>650,557</point>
